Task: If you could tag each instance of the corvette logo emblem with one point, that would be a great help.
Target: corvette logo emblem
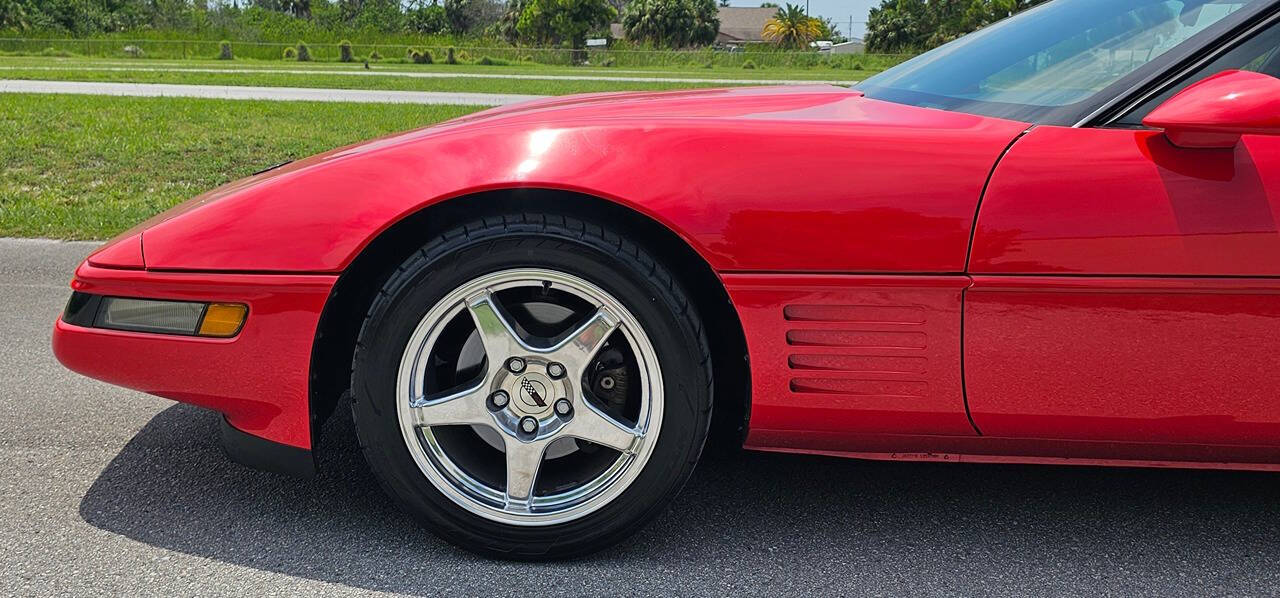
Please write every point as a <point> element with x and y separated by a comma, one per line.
<point>532,393</point>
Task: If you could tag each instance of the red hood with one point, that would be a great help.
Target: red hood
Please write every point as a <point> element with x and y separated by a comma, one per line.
<point>706,103</point>
<point>792,102</point>
<point>803,101</point>
<point>700,162</point>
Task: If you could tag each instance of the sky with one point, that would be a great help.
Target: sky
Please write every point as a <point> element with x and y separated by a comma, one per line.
<point>837,10</point>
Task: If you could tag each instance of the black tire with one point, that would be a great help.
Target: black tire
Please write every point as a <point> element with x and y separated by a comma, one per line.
<point>584,249</point>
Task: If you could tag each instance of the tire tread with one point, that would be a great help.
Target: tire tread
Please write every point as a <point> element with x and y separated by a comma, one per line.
<point>543,229</point>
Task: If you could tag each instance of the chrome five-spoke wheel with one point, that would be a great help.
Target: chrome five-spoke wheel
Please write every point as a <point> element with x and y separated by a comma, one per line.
<point>530,396</point>
<point>531,386</point>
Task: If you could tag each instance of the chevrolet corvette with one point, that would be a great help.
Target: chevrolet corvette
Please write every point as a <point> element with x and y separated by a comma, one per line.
<point>1053,240</point>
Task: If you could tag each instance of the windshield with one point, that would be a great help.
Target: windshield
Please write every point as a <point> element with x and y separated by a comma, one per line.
<point>1056,55</point>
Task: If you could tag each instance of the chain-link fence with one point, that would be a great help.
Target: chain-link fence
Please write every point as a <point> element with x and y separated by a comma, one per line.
<point>329,52</point>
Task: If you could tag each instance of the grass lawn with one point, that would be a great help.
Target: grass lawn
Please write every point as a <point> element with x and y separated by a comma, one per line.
<point>88,167</point>
<point>520,68</point>
<point>269,79</point>
<point>341,76</point>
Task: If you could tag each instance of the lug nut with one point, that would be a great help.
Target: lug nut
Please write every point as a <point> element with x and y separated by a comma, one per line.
<point>500,399</point>
<point>528,425</point>
<point>563,408</point>
<point>555,370</point>
<point>516,365</point>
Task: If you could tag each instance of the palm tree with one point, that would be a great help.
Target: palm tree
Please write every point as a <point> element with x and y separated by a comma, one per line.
<point>13,14</point>
<point>793,28</point>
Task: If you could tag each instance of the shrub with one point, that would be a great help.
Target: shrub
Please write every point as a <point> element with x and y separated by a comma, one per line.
<point>374,56</point>
<point>857,66</point>
<point>304,53</point>
<point>748,64</point>
<point>344,51</point>
<point>418,56</point>
<point>488,61</point>
<point>608,62</point>
<point>450,56</point>
<point>224,50</point>
<point>526,58</point>
<point>53,52</point>
<point>290,54</point>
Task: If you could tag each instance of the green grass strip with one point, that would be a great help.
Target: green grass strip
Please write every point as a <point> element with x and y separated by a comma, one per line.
<point>88,167</point>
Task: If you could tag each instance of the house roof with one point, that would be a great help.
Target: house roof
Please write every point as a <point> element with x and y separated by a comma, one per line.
<point>744,24</point>
<point>737,24</point>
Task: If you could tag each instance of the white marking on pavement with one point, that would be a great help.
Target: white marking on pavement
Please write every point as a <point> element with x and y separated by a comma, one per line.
<point>230,92</point>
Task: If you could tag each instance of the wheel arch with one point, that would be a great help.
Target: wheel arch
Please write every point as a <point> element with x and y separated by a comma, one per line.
<point>330,368</point>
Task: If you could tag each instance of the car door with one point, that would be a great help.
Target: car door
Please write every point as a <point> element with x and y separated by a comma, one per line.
<point>1128,290</point>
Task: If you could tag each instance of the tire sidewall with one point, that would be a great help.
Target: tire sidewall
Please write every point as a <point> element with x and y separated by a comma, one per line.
<point>424,280</point>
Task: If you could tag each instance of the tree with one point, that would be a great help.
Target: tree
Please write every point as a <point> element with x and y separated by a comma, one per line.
<point>426,18</point>
<point>458,15</point>
<point>829,30</point>
<point>507,24</point>
<point>894,26</point>
<point>13,15</point>
<point>917,25</point>
<point>724,2</point>
<point>297,8</point>
<point>484,14</point>
<point>467,16</point>
<point>380,15</point>
<point>674,23</point>
<point>564,20</point>
<point>792,28</point>
<point>706,22</point>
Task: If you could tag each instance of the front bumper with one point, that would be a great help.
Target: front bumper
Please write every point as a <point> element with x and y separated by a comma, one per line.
<point>258,379</point>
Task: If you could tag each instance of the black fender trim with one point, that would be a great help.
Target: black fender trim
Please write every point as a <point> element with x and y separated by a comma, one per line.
<point>265,455</point>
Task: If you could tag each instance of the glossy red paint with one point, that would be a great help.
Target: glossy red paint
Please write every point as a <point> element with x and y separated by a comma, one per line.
<point>852,355</point>
<point>1124,202</point>
<point>1119,302</point>
<point>125,251</point>
<point>1216,111</point>
<point>258,378</point>
<point>820,158</point>
<point>1172,360</point>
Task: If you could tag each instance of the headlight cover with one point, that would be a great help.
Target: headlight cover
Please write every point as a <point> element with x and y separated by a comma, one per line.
<point>188,318</point>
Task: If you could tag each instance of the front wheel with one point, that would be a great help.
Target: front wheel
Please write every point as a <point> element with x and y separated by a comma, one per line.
<point>532,387</point>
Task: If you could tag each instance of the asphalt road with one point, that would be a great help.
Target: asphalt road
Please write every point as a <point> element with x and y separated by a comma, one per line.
<point>108,491</point>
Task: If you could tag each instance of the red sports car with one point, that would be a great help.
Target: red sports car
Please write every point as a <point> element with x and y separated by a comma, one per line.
<point>1051,241</point>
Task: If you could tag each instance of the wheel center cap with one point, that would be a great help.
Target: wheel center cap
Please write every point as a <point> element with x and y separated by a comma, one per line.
<point>533,394</point>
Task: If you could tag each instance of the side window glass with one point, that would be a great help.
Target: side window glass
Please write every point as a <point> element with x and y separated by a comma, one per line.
<point>1260,54</point>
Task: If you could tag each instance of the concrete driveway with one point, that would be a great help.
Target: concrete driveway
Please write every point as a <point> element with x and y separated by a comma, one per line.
<point>108,491</point>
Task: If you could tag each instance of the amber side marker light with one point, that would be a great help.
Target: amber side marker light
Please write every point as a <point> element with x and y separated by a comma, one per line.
<point>188,318</point>
<point>223,319</point>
